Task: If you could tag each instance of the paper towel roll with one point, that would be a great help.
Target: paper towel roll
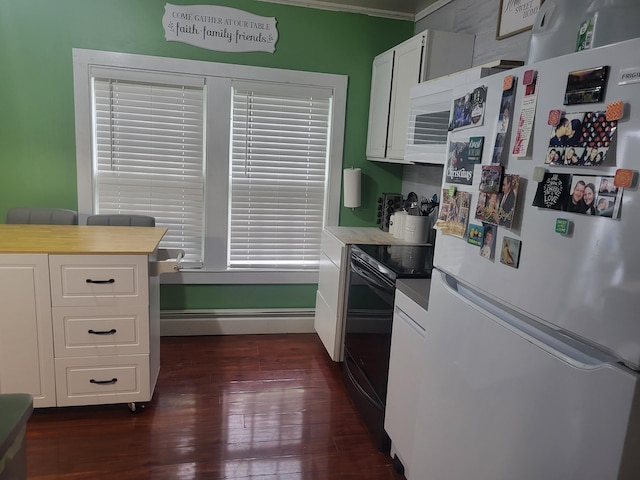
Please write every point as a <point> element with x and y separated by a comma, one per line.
<point>351,192</point>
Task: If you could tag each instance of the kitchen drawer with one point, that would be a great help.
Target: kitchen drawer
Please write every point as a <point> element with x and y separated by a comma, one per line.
<point>411,308</point>
<point>102,380</point>
<point>332,248</point>
<point>99,280</point>
<point>90,331</point>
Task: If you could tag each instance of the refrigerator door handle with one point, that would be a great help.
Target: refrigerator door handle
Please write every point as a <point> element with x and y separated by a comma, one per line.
<point>557,343</point>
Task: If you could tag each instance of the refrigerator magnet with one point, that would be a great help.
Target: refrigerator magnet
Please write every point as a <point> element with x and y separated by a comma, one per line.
<point>586,86</point>
<point>510,253</point>
<point>554,117</point>
<point>527,114</point>
<point>563,226</point>
<point>507,83</point>
<point>488,241</point>
<point>614,111</point>
<point>538,174</point>
<point>475,234</point>
<point>474,150</point>
<point>624,178</point>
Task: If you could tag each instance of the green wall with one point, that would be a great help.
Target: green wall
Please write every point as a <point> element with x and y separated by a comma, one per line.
<point>37,141</point>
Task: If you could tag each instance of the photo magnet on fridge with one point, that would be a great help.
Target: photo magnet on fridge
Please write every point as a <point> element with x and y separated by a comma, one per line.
<point>487,250</point>
<point>474,153</point>
<point>510,253</point>
<point>553,191</point>
<point>507,208</point>
<point>475,234</point>
<point>468,110</point>
<point>487,208</point>
<point>586,86</point>
<point>581,139</point>
<point>459,169</point>
<point>491,178</point>
<point>454,213</point>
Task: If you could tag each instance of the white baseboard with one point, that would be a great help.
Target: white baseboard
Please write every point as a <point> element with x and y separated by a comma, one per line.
<point>235,322</point>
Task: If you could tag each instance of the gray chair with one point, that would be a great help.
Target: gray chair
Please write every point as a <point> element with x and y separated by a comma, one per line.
<point>168,258</point>
<point>122,220</point>
<point>42,216</point>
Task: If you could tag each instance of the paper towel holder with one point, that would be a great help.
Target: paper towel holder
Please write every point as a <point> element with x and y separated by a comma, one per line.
<point>352,187</point>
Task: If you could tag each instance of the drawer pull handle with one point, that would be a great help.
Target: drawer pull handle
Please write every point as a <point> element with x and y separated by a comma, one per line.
<point>104,382</point>
<point>111,280</point>
<point>108,332</point>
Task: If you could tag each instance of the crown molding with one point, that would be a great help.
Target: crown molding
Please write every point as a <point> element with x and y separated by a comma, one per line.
<point>341,7</point>
<point>431,8</point>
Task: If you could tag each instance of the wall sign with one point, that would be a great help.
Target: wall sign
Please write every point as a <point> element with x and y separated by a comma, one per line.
<point>219,28</point>
<point>516,16</point>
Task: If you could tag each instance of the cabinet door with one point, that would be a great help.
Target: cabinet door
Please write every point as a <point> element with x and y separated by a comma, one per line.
<point>26,341</point>
<point>406,74</point>
<point>379,105</point>
<point>329,303</point>
<point>406,360</point>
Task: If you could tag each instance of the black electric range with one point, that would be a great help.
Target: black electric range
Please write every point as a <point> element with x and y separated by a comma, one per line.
<point>402,261</point>
<point>374,270</point>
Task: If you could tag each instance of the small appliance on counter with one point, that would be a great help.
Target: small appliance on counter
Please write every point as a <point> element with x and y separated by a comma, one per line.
<point>388,203</point>
<point>374,270</point>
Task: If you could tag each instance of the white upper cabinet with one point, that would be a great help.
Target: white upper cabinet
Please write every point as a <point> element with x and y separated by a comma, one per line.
<point>428,55</point>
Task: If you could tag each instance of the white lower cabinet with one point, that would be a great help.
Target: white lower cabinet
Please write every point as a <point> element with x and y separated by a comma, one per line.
<point>26,341</point>
<point>332,278</point>
<point>406,358</point>
<point>93,340</point>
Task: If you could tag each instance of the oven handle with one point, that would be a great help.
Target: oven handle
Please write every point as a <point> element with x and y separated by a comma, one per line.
<point>374,401</point>
<point>371,277</point>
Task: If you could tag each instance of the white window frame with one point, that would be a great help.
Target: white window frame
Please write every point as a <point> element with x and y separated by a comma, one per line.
<point>218,78</point>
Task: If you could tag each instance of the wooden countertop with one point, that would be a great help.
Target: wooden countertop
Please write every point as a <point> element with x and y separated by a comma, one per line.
<point>365,235</point>
<point>79,239</point>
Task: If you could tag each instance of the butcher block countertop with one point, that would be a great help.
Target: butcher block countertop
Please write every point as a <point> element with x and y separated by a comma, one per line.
<point>365,235</point>
<point>79,239</point>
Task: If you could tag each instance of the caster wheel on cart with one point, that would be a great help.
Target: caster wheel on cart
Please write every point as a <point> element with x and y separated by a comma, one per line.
<point>135,407</point>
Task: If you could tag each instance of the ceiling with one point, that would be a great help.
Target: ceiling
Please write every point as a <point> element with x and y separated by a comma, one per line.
<point>399,9</point>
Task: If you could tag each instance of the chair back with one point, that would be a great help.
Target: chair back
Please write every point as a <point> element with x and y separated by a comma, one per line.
<point>122,220</point>
<point>42,216</point>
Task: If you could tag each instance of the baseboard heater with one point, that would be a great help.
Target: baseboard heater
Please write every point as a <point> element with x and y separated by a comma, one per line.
<point>235,321</point>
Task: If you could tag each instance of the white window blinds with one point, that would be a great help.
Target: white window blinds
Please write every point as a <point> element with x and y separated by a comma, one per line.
<point>149,157</point>
<point>278,176</point>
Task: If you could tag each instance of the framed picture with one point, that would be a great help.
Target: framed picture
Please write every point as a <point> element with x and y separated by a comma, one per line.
<point>516,16</point>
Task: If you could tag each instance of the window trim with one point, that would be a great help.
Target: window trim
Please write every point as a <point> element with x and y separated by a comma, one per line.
<point>218,77</point>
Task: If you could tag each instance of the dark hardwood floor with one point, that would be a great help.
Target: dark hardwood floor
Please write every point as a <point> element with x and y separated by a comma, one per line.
<point>225,407</point>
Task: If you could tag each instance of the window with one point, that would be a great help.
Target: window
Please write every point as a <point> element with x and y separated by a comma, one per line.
<point>242,164</point>
<point>278,171</point>
<point>149,157</point>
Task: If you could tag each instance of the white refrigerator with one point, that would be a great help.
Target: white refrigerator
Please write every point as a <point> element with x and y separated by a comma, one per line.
<point>532,372</point>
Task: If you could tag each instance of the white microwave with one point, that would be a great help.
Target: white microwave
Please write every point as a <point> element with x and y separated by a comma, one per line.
<point>430,112</point>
